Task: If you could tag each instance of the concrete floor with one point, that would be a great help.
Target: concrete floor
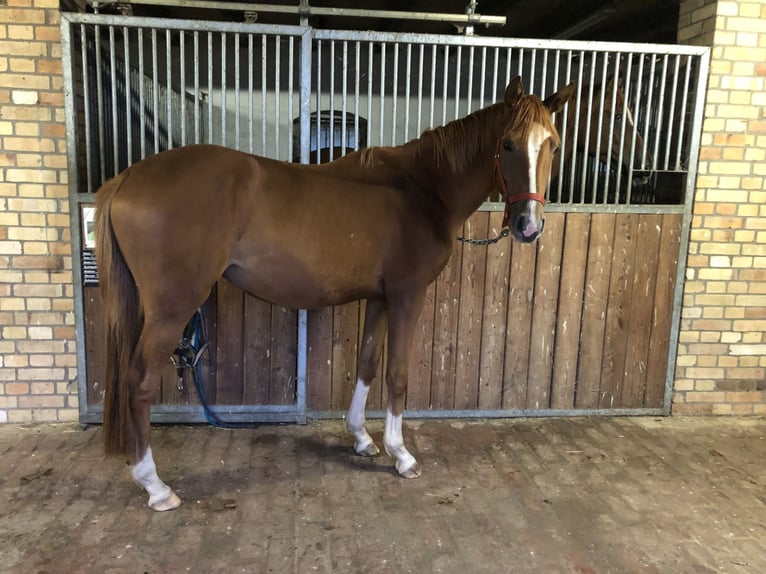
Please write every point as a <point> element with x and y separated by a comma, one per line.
<point>581,495</point>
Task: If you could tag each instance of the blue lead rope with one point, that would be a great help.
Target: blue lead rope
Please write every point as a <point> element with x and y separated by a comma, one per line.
<point>191,347</point>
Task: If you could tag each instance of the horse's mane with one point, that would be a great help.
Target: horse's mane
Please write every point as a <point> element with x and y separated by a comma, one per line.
<point>457,144</point>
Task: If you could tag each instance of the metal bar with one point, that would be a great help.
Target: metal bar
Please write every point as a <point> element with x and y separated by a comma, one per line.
<point>197,99</point>
<point>543,85</point>
<point>86,109</point>
<point>155,94</point>
<point>250,134</point>
<point>532,66</point>
<point>564,129</point>
<point>637,105</point>
<point>128,106</point>
<point>182,73</point>
<point>588,118</point>
<point>264,91</point>
<point>395,94</point>
<point>277,92</point>
<point>319,98</point>
<point>382,88</point>
<point>468,19</point>
<point>623,123</point>
<point>420,89</point>
<point>576,130</point>
<point>331,105</point>
<point>290,92</point>
<point>495,72</point>
<point>371,72</point>
<point>210,87</point>
<point>344,98</point>
<point>494,414</point>
<point>408,80</point>
<point>357,62</point>
<point>115,126</point>
<point>660,111</point>
<point>469,103</point>
<point>236,92</point>
<point>100,107</point>
<point>169,90</point>
<point>445,81</point>
<point>223,89</point>
<point>141,92</point>
<point>610,139</point>
<point>682,122</point>
<point>649,114</point>
<point>433,85</point>
<point>695,133</point>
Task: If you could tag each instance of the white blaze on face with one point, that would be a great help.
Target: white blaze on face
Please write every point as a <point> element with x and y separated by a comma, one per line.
<point>537,135</point>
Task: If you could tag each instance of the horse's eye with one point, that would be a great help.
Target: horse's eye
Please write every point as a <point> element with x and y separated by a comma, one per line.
<point>507,145</point>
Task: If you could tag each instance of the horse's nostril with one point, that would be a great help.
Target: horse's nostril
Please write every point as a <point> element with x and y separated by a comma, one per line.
<point>521,223</point>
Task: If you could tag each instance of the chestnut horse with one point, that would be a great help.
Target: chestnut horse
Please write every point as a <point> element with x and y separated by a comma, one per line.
<point>377,224</point>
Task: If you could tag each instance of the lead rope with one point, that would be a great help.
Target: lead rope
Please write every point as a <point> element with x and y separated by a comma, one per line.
<point>191,347</point>
<point>504,232</point>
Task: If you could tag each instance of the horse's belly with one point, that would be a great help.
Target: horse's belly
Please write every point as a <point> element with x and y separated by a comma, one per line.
<point>299,284</point>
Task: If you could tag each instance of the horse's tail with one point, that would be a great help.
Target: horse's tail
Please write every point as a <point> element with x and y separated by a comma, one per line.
<point>123,324</point>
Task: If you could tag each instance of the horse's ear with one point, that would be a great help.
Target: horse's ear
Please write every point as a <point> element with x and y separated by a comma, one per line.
<point>555,102</point>
<point>514,91</point>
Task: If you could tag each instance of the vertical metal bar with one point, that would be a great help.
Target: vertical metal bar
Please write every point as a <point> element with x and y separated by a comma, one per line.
<point>371,73</point>
<point>344,98</point>
<point>223,89</point>
<point>564,130</point>
<point>305,115</point>
<point>683,248</point>
<point>182,69</point>
<point>600,126</point>
<point>636,105</point>
<point>495,72</point>
<point>457,80</point>
<point>290,87</point>
<point>277,92</point>
<point>483,76</point>
<point>128,102</point>
<point>612,107</point>
<point>395,94</point>
<point>197,100</point>
<point>520,69</point>
<point>508,59</point>
<point>532,66</point>
<point>86,107</point>
<point>588,118</point>
<point>623,123</point>
<point>332,101</point>
<point>264,60</point>
<point>544,74</point>
<point>141,92</point>
<point>446,81</point>
<point>682,120</point>
<point>576,128</point>
<point>433,85</point>
<point>168,90</point>
<point>210,87</point>
<point>250,135</point>
<point>319,99</point>
<point>671,112</point>
<point>469,98</point>
<point>408,79</point>
<point>660,112</point>
<point>155,94</point>
<point>100,107</point>
<point>562,148</point>
<point>236,92</point>
<point>116,139</point>
<point>382,88</point>
<point>420,89</point>
<point>357,64</point>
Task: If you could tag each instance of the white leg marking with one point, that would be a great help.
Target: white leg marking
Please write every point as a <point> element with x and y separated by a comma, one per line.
<point>161,497</point>
<point>363,443</point>
<point>393,441</point>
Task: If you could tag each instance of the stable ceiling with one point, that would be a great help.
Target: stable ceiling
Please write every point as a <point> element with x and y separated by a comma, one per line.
<point>613,20</point>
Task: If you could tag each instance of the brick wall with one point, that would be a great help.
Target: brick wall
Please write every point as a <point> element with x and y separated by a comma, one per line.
<point>721,366</point>
<point>37,346</point>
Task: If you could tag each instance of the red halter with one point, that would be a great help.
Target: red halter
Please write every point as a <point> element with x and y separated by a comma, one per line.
<point>516,197</point>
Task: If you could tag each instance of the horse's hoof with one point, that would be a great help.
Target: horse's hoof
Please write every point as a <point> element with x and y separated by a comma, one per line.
<point>170,502</point>
<point>367,450</point>
<point>412,472</point>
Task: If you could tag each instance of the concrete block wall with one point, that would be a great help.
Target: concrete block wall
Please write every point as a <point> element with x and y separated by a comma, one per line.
<point>721,367</point>
<point>37,336</point>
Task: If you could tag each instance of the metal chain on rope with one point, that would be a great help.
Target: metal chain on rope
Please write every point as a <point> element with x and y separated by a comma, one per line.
<point>504,232</point>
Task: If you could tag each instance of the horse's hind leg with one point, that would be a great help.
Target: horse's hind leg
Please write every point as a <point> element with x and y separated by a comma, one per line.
<point>369,358</point>
<point>157,341</point>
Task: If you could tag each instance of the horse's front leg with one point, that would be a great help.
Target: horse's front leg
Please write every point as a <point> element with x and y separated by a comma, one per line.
<point>369,358</point>
<point>403,316</point>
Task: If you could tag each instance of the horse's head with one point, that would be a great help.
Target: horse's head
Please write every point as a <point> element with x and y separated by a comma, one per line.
<point>523,157</point>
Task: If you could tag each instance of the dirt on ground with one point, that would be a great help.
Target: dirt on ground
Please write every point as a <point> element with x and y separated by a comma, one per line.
<point>580,495</point>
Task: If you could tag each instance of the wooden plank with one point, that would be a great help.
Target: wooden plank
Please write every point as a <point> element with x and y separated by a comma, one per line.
<point>618,310</point>
<point>319,359</point>
<point>470,313</point>
<point>95,345</point>
<point>495,312</point>
<point>594,309</point>
<point>640,312</point>
<point>545,303</point>
<point>421,355</point>
<point>667,263</point>
<point>229,355</point>
<point>284,355</point>
<point>256,351</point>
<point>516,368</point>
<point>446,315</point>
<point>345,337</point>
<point>573,264</point>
